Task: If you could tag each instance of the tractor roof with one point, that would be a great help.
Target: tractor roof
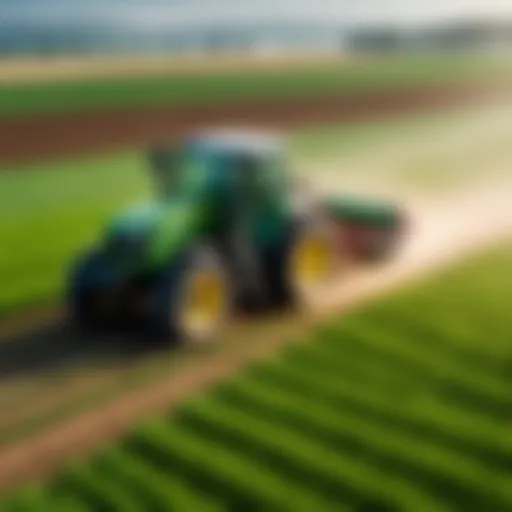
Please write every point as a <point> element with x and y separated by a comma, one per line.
<point>242,140</point>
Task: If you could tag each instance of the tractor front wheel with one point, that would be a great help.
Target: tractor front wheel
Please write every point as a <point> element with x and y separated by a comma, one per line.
<point>90,303</point>
<point>193,299</point>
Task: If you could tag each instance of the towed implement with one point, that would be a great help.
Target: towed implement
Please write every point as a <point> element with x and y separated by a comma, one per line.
<point>230,230</point>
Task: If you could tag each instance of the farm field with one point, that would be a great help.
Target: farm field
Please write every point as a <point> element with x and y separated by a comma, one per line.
<point>403,405</point>
<point>69,391</point>
<point>400,406</point>
<point>64,205</point>
<point>302,80</point>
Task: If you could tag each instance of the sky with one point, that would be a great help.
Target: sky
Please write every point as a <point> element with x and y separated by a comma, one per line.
<point>147,14</point>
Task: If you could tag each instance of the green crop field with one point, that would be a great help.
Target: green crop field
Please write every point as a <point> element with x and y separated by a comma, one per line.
<point>301,80</point>
<point>403,406</point>
<point>50,211</point>
<point>47,215</point>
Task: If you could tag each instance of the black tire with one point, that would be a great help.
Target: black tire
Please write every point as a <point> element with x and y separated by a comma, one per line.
<point>85,287</point>
<point>282,292</point>
<point>246,272</point>
<point>168,291</point>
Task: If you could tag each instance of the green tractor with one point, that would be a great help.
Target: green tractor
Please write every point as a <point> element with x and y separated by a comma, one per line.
<point>231,230</point>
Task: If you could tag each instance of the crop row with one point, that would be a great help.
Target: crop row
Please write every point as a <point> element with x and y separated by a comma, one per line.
<point>305,80</point>
<point>374,415</point>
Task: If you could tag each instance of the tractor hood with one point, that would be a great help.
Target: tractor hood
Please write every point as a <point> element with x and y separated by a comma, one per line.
<point>150,234</point>
<point>365,211</point>
<point>135,221</point>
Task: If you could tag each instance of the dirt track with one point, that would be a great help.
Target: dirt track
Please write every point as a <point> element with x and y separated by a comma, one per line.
<point>65,135</point>
<point>443,231</point>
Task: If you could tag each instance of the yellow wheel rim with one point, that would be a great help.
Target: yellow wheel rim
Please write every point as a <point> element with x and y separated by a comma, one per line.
<point>313,262</point>
<point>205,304</point>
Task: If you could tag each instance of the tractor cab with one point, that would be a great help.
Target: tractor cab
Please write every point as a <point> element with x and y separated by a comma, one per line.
<point>226,166</point>
<point>175,172</point>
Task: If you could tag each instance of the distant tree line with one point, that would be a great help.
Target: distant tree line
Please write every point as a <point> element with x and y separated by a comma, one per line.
<point>464,35</point>
<point>47,40</point>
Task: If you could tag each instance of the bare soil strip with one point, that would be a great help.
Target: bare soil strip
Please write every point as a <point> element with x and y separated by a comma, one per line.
<point>33,138</point>
<point>442,232</point>
<point>69,69</point>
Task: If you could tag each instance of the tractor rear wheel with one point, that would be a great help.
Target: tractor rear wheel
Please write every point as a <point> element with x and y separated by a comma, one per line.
<point>304,264</point>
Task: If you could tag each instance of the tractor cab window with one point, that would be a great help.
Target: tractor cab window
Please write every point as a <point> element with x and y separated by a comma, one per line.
<point>176,171</point>
<point>259,178</point>
<point>164,164</point>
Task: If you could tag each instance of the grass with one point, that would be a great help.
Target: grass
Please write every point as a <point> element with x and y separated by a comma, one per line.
<point>403,406</point>
<point>49,212</point>
<point>302,80</point>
